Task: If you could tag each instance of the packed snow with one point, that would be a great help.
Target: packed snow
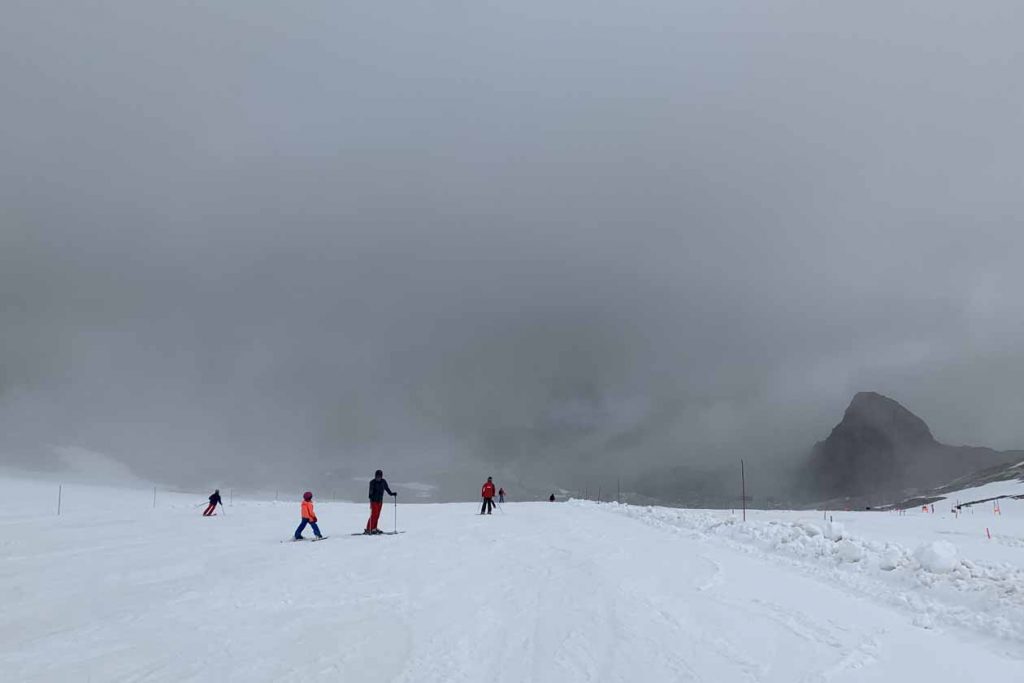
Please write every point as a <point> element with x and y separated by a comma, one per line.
<point>119,588</point>
<point>937,557</point>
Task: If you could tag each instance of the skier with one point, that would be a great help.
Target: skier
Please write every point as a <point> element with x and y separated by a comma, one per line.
<point>308,517</point>
<point>551,498</point>
<point>501,495</point>
<point>487,491</point>
<point>214,502</point>
<point>378,485</point>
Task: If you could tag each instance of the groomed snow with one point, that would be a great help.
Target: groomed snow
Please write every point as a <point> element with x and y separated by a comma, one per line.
<point>115,590</point>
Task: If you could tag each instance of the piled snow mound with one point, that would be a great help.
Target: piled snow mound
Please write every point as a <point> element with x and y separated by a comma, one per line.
<point>934,582</point>
<point>810,528</point>
<point>937,557</point>
<point>834,531</point>
<point>890,559</point>
<point>848,551</point>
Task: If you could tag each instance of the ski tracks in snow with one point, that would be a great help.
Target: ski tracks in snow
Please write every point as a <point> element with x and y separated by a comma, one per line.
<point>543,593</point>
<point>605,602</point>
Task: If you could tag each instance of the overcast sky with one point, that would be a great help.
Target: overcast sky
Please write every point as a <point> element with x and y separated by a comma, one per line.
<point>528,237</point>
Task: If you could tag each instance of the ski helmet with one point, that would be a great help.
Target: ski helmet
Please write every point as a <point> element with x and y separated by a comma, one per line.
<point>378,473</point>
<point>308,495</point>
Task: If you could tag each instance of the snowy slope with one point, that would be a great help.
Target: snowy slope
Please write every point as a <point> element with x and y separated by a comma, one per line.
<point>941,569</point>
<point>539,592</point>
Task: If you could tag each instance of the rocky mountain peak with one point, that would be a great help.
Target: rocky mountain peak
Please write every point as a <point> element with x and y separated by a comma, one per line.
<point>881,448</point>
<point>877,418</point>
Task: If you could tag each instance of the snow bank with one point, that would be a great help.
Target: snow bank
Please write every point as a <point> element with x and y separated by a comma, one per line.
<point>835,531</point>
<point>934,582</point>
<point>848,551</point>
<point>890,559</point>
<point>937,557</point>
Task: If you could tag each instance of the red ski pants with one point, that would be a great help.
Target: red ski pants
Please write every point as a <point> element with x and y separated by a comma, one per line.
<point>375,507</point>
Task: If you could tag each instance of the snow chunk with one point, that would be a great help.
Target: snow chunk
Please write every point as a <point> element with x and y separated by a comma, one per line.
<point>937,557</point>
<point>810,528</point>
<point>834,531</point>
<point>890,559</point>
<point>848,551</point>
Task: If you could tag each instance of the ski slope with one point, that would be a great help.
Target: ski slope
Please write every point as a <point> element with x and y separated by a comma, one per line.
<point>117,590</point>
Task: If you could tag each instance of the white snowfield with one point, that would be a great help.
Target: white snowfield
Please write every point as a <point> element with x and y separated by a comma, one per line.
<point>116,590</point>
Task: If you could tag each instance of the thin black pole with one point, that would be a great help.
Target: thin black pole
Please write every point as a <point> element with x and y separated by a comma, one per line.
<point>60,490</point>
<point>154,497</point>
<point>618,490</point>
<point>743,489</point>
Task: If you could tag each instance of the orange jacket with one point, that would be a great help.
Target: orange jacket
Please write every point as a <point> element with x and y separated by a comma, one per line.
<point>307,510</point>
<point>488,490</point>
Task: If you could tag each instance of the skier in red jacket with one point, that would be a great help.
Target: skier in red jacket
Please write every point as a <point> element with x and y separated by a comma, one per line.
<point>487,491</point>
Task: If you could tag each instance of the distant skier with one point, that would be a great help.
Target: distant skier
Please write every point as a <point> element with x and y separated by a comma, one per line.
<point>501,495</point>
<point>487,491</point>
<point>214,502</point>
<point>308,516</point>
<point>551,498</point>
<point>378,486</point>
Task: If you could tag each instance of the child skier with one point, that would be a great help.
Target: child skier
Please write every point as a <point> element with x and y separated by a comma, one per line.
<point>308,517</point>
<point>487,491</point>
<point>378,485</point>
<point>214,502</point>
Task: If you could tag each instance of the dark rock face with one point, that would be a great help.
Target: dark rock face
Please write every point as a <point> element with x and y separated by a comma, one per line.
<point>880,448</point>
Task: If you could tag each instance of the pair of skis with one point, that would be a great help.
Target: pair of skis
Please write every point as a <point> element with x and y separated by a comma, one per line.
<point>324,538</point>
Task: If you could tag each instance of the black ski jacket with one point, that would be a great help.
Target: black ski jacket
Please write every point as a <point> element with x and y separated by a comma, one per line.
<point>377,489</point>
<point>215,499</point>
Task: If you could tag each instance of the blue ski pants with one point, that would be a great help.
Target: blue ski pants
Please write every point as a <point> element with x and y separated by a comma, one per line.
<point>316,529</point>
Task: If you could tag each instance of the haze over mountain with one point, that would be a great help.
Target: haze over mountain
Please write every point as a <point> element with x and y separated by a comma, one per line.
<point>880,449</point>
<point>564,244</point>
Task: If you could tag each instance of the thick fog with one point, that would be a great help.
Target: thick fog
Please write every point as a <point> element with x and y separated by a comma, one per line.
<point>558,243</point>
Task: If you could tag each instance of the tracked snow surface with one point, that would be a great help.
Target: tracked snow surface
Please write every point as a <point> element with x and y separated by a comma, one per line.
<point>116,589</point>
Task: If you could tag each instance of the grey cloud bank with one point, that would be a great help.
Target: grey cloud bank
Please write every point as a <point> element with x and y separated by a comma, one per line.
<point>567,243</point>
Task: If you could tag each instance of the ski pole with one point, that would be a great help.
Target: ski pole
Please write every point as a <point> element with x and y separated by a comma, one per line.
<point>396,512</point>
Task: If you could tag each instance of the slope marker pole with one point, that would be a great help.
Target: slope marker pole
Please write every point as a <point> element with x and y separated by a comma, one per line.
<point>743,489</point>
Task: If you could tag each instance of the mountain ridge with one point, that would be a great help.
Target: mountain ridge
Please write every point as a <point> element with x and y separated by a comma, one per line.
<point>880,449</point>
